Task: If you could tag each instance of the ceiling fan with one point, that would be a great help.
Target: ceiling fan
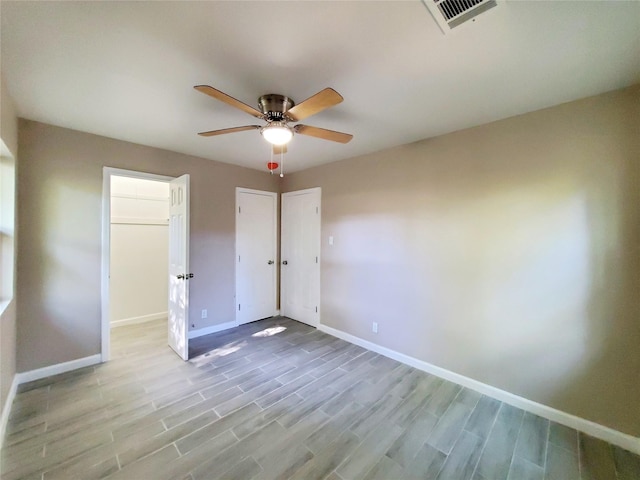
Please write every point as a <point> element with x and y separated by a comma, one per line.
<point>278,111</point>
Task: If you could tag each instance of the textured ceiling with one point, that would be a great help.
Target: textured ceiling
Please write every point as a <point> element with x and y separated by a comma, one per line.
<point>127,70</point>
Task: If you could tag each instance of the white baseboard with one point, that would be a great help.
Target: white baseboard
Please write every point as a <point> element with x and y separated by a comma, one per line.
<point>37,374</point>
<point>593,429</point>
<point>142,319</point>
<point>6,410</point>
<point>212,329</point>
<point>57,369</point>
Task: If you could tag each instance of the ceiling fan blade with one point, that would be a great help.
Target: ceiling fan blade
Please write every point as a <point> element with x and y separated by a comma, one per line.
<point>229,100</point>
<point>323,133</point>
<point>312,105</point>
<point>278,149</point>
<point>213,133</point>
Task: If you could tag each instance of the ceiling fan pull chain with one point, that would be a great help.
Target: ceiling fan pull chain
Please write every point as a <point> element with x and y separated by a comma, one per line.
<point>271,163</point>
<point>281,163</point>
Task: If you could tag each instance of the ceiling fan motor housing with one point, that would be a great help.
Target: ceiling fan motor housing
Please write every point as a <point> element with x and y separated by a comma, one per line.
<point>274,106</point>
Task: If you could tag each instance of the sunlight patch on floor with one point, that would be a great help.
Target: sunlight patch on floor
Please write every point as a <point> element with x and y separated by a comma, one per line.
<point>217,353</point>
<point>267,332</point>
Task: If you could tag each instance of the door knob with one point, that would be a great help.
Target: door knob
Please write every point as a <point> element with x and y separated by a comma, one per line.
<point>180,277</point>
<point>285,263</point>
<point>270,262</point>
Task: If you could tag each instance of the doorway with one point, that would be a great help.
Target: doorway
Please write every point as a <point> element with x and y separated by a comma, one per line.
<point>300,256</point>
<point>139,250</point>
<point>137,242</point>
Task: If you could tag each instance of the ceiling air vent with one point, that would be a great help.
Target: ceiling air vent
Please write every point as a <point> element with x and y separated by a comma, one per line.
<point>452,13</point>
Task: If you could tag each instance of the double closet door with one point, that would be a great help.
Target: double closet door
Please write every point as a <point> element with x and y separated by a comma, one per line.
<point>256,255</point>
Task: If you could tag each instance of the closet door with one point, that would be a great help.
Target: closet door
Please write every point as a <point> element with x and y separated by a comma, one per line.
<point>300,256</point>
<point>256,254</point>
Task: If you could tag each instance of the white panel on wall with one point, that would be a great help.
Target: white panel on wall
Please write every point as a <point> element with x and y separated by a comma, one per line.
<point>138,187</point>
<point>127,210</point>
<point>139,249</point>
<point>134,198</point>
<point>123,186</point>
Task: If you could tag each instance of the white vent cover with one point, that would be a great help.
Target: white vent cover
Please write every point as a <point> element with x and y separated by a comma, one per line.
<point>449,14</point>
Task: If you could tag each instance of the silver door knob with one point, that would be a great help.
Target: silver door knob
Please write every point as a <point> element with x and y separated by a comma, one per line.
<point>270,262</point>
<point>285,263</point>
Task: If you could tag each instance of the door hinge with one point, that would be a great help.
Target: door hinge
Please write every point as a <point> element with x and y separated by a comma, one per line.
<point>239,211</point>
<point>316,309</point>
<point>238,258</point>
<point>316,259</point>
<point>238,307</point>
<point>317,210</point>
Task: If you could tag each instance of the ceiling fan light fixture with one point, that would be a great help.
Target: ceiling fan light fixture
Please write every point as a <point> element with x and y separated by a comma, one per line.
<point>277,133</point>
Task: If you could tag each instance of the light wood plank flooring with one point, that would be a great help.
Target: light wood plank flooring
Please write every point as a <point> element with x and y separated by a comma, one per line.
<point>278,399</point>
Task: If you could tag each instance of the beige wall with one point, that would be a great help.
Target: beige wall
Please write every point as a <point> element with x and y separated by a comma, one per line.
<point>8,119</point>
<point>9,135</point>
<point>59,216</point>
<point>508,253</point>
<point>7,351</point>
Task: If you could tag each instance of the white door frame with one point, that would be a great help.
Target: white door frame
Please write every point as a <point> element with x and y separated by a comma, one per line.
<point>107,173</point>
<point>240,190</point>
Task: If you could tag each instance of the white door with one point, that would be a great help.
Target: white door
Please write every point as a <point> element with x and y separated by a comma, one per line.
<point>179,266</point>
<point>256,250</point>
<point>300,256</point>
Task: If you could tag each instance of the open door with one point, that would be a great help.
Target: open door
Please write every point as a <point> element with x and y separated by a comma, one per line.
<point>179,266</point>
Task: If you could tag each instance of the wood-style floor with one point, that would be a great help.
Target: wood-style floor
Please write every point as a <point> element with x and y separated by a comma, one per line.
<point>278,399</point>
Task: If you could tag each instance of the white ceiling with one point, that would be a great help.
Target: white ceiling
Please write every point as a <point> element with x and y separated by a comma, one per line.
<point>126,70</point>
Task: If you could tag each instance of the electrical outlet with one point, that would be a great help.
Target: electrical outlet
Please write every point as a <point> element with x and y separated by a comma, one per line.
<point>374,327</point>
<point>204,313</point>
